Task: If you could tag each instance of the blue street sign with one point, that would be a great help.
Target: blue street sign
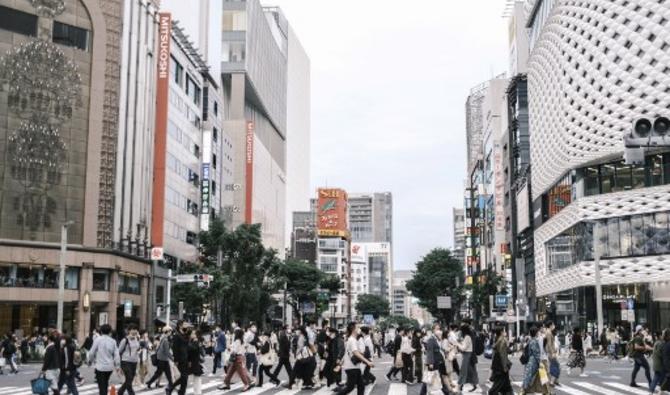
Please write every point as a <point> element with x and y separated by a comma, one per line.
<point>501,300</point>
<point>631,304</point>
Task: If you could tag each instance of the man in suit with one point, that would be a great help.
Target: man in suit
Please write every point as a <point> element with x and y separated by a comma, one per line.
<point>435,359</point>
<point>284,352</point>
<point>397,342</point>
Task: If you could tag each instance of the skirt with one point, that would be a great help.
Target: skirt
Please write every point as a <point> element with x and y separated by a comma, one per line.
<point>577,360</point>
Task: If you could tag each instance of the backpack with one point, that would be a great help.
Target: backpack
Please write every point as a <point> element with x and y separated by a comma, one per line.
<point>478,347</point>
<point>525,356</point>
<point>76,358</point>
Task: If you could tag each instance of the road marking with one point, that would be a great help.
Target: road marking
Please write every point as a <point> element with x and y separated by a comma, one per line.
<point>289,391</point>
<point>569,390</point>
<point>596,388</point>
<point>628,388</point>
<point>397,389</point>
<point>257,390</point>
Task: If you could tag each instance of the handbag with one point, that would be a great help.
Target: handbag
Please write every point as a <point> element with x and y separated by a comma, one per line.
<point>3,362</point>
<point>429,377</point>
<point>176,374</point>
<point>398,361</point>
<point>542,372</point>
<point>154,359</point>
<point>40,385</point>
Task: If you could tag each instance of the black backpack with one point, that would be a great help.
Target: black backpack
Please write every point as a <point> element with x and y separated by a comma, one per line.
<point>525,356</point>
<point>479,344</point>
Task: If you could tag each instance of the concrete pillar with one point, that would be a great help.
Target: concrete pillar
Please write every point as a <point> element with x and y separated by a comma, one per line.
<point>113,296</point>
<point>84,315</point>
<point>143,309</point>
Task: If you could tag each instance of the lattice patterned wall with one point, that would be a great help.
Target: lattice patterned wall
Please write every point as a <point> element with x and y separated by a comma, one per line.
<point>616,270</point>
<point>597,65</point>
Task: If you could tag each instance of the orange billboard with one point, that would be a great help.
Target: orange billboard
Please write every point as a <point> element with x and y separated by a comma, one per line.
<point>331,212</point>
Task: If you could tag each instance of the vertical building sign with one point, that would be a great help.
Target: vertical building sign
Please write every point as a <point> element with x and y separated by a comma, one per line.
<point>499,187</point>
<point>332,213</point>
<point>249,177</point>
<point>205,191</point>
<point>160,138</point>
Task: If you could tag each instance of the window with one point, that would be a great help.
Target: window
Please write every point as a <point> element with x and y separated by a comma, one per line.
<point>191,237</point>
<point>160,294</point>
<point>176,71</point>
<point>591,184</point>
<point>216,109</point>
<point>215,134</point>
<point>129,284</point>
<point>234,21</point>
<point>214,161</point>
<point>193,90</point>
<point>18,22</point>
<point>100,280</point>
<point>234,52</point>
<point>213,187</point>
<point>71,36</point>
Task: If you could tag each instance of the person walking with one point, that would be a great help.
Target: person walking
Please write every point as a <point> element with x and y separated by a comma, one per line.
<point>268,357</point>
<point>638,349</point>
<point>468,373</point>
<point>531,375</point>
<point>68,370</point>
<point>334,354</point>
<point>352,360</point>
<point>51,364</point>
<point>180,356</point>
<point>577,359</point>
<point>8,351</point>
<point>500,365</point>
<point>368,351</point>
<point>196,356</point>
<point>163,356</point>
<point>407,351</point>
<point>129,350</point>
<point>220,346</point>
<point>417,345</point>
<point>283,352</point>
<point>657,360</point>
<point>397,355</point>
<point>238,364</point>
<point>303,368</point>
<point>143,359</point>
<point>105,355</point>
<point>552,351</point>
<point>435,361</point>
<point>452,338</point>
<point>251,342</point>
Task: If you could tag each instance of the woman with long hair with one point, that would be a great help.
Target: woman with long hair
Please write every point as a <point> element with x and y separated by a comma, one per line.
<point>577,359</point>
<point>353,358</point>
<point>196,357</point>
<point>237,362</point>
<point>268,357</point>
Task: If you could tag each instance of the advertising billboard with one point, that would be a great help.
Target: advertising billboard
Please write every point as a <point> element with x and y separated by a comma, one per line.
<point>332,212</point>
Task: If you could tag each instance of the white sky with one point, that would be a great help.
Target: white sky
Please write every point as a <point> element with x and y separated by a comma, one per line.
<point>389,83</point>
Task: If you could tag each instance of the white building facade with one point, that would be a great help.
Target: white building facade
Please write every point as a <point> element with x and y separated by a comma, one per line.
<point>594,67</point>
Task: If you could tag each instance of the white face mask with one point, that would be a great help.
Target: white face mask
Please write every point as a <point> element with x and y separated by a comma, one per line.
<point>438,333</point>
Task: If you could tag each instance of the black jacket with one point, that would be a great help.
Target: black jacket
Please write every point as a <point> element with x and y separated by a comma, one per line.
<point>51,358</point>
<point>397,343</point>
<point>180,349</point>
<point>284,345</point>
<point>195,357</point>
<point>433,352</point>
<point>67,359</point>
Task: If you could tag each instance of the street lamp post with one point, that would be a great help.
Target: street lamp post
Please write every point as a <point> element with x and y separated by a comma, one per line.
<point>61,275</point>
<point>599,292</point>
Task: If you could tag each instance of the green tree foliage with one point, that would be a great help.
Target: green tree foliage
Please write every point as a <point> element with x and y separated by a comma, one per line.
<point>397,321</point>
<point>244,276</point>
<point>438,274</point>
<point>373,304</point>
<point>304,282</point>
<point>486,283</point>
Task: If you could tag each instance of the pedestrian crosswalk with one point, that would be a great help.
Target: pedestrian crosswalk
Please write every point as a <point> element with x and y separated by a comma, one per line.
<point>210,388</point>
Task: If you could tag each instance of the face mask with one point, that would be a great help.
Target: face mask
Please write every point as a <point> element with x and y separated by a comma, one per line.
<point>62,343</point>
<point>253,329</point>
<point>438,333</point>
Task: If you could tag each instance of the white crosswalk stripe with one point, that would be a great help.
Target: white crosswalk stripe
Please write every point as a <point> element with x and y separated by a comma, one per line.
<point>597,388</point>
<point>397,389</point>
<point>624,387</point>
<point>564,389</point>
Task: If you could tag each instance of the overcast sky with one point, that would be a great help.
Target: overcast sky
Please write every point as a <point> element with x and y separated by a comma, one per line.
<point>389,83</point>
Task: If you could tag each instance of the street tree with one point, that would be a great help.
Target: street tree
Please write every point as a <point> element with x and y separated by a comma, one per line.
<point>438,274</point>
<point>303,283</point>
<point>486,283</point>
<point>397,321</point>
<point>373,304</point>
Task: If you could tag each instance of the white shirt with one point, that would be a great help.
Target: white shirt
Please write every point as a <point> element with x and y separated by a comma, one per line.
<point>406,345</point>
<point>367,342</point>
<point>351,346</point>
<point>238,347</point>
<point>248,339</point>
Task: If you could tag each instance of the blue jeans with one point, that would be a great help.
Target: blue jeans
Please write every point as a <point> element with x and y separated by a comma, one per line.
<point>658,380</point>
<point>252,364</point>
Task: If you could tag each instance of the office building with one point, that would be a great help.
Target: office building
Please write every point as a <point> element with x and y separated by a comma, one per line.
<point>371,217</point>
<point>402,299</point>
<point>380,269</point>
<point>304,236</point>
<point>359,275</point>
<point>589,206</point>
<point>254,79</point>
<point>75,48</point>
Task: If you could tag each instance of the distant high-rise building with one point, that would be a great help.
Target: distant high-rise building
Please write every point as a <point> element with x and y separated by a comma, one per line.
<point>371,217</point>
<point>401,301</point>
<point>459,234</point>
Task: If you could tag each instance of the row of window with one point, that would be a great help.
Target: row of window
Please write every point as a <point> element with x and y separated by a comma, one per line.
<point>630,236</point>
<point>177,199</point>
<point>180,233</point>
<point>182,170</point>
<point>191,115</point>
<point>184,80</point>
<point>24,23</point>
<point>183,138</point>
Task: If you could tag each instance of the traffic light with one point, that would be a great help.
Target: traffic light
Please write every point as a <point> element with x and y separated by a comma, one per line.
<point>645,133</point>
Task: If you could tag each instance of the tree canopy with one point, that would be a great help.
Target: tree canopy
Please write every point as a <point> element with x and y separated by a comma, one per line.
<point>438,274</point>
<point>304,283</point>
<point>373,304</point>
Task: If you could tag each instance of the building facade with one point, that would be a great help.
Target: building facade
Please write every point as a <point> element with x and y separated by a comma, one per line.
<point>590,206</point>
<point>254,78</point>
<point>458,219</point>
<point>304,237</point>
<point>69,178</point>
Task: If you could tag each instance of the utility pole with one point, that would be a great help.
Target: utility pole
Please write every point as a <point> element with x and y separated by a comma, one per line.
<point>348,255</point>
<point>599,291</point>
<point>167,307</point>
<point>61,276</point>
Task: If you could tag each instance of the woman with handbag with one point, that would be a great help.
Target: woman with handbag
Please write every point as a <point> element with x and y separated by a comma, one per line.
<point>237,363</point>
<point>407,351</point>
<point>468,374</point>
<point>352,362</point>
<point>268,358</point>
<point>577,359</point>
<point>532,376</point>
